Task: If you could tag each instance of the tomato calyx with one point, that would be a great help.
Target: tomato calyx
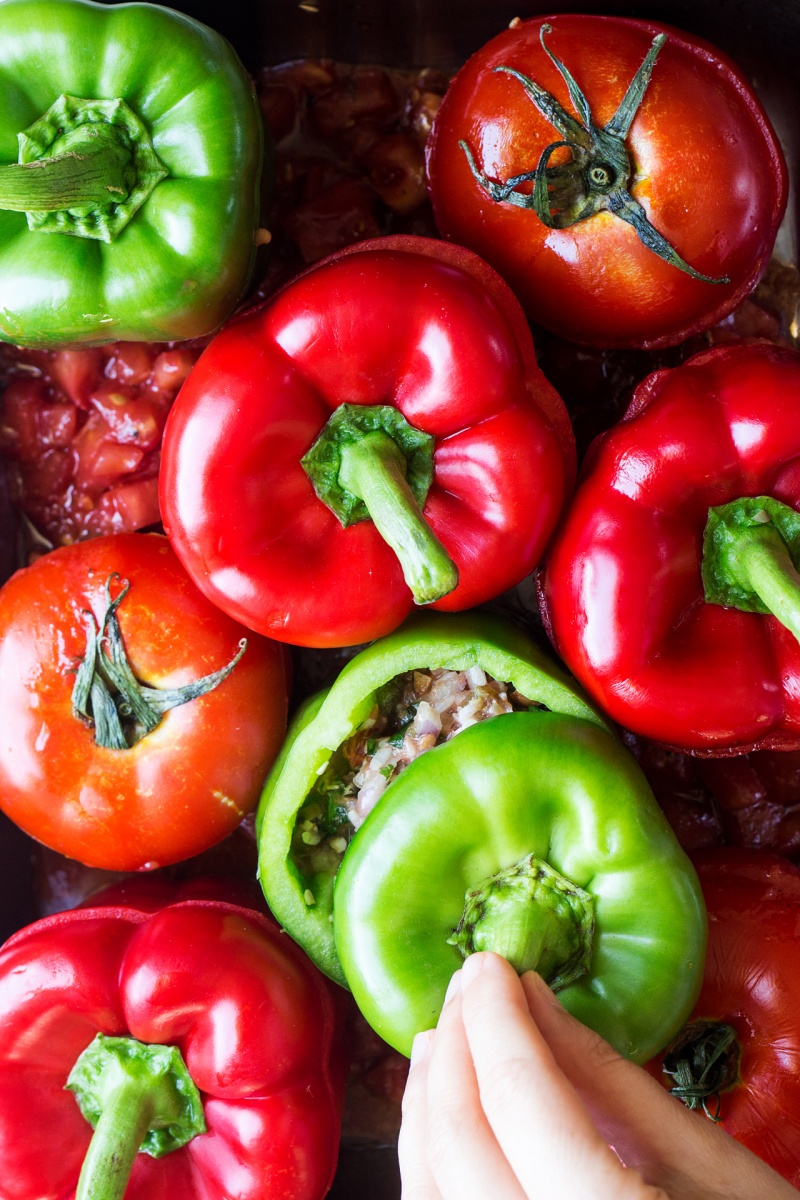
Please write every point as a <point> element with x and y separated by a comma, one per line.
<point>704,1062</point>
<point>370,463</point>
<point>108,696</point>
<point>596,177</point>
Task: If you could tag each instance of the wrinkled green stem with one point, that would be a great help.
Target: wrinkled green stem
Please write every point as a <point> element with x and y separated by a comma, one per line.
<point>768,570</point>
<point>95,170</point>
<point>703,1061</point>
<point>751,552</point>
<point>374,469</point>
<point>532,916</point>
<point>116,1141</point>
<point>137,1097</point>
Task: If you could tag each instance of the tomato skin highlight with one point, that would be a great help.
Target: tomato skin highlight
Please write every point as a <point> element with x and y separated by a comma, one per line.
<point>752,982</point>
<point>706,167</point>
<point>182,787</point>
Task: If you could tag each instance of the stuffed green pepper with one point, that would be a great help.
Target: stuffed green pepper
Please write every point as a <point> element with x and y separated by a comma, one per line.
<point>453,792</point>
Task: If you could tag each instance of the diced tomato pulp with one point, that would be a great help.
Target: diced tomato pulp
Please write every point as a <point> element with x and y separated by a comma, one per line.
<point>82,429</point>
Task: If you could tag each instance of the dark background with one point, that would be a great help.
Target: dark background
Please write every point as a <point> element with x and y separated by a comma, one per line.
<point>762,36</point>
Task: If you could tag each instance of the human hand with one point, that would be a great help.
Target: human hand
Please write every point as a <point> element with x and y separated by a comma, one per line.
<point>511,1098</point>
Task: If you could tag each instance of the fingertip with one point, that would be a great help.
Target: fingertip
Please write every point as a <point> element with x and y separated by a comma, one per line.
<point>483,962</point>
<point>421,1047</point>
<point>453,988</point>
<point>540,994</point>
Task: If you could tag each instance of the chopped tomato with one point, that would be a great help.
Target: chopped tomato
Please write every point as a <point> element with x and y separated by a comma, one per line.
<point>82,428</point>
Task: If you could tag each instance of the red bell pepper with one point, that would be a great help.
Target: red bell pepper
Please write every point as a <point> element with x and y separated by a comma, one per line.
<point>738,1058</point>
<point>197,1033</point>
<point>378,434</point>
<point>671,590</point>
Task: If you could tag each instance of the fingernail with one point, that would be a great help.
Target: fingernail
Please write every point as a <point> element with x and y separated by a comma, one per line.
<point>421,1047</point>
<point>453,987</point>
<point>543,990</point>
<point>476,963</point>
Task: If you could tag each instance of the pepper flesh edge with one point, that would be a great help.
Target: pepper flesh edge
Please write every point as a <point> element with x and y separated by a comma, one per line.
<point>431,640</point>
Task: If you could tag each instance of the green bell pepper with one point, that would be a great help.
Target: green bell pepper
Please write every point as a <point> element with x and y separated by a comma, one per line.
<point>536,836</point>
<point>129,195</point>
<point>302,901</point>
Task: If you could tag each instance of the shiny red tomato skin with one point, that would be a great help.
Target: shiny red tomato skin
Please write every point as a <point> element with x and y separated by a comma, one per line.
<point>752,981</point>
<point>707,168</point>
<point>189,782</point>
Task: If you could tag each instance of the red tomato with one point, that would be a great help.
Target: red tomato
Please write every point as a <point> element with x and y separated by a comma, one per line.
<point>752,984</point>
<point>82,428</point>
<point>700,161</point>
<point>189,781</point>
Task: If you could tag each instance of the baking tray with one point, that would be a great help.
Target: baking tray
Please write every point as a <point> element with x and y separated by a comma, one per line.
<point>762,36</point>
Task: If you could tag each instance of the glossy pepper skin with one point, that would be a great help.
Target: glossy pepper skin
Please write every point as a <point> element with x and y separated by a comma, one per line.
<point>180,265</point>
<point>255,1024</point>
<point>327,720</point>
<point>532,783</point>
<point>623,593</point>
<point>430,333</point>
<point>752,987</point>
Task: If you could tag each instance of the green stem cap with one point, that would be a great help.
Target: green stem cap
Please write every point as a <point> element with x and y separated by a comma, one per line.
<point>598,174</point>
<point>751,552</point>
<point>137,1098</point>
<point>85,168</point>
<point>535,918</point>
<point>369,463</point>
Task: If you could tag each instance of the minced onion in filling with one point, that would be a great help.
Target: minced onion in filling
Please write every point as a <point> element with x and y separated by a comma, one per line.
<point>412,714</point>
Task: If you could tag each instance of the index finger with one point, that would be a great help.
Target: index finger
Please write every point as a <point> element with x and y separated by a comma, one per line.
<point>536,1115</point>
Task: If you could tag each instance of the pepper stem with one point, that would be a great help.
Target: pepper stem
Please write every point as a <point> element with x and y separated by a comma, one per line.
<point>117,1140</point>
<point>137,1097</point>
<point>85,169</point>
<point>96,169</point>
<point>768,570</point>
<point>374,470</point>
<point>751,551</point>
<point>534,917</point>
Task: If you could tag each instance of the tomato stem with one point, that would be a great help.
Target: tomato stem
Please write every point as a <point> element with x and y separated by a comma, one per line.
<point>137,1097</point>
<point>597,177</point>
<point>534,917</point>
<point>107,694</point>
<point>703,1061</point>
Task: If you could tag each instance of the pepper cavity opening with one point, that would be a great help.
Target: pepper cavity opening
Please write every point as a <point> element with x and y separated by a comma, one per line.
<point>412,714</point>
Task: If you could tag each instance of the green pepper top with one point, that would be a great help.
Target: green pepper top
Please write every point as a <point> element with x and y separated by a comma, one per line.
<point>302,900</point>
<point>132,145</point>
<point>534,835</point>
